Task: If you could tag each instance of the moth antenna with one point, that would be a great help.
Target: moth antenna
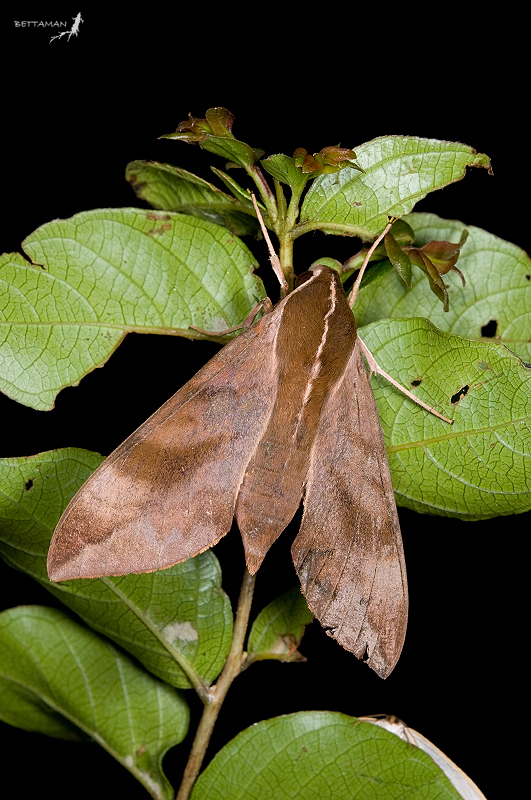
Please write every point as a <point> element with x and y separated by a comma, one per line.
<point>355,288</point>
<point>275,261</point>
<point>377,370</point>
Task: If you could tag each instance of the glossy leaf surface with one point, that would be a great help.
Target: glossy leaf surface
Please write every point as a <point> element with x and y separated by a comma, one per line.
<point>104,273</point>
<point>56,676</point>
<point>320,754</point>
<point>398,172</point>
<point>170,188</point>
<point>477,468</point>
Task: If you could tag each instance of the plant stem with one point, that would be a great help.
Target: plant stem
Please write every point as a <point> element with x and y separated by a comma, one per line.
<point>282,229</point>
<point>286,259</point>
<point>218,692</point>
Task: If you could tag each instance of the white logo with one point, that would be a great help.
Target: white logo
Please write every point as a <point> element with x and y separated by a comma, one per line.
<point>73,30</point>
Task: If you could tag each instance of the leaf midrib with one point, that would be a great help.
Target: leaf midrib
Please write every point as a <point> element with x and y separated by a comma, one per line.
<point>456,435</point>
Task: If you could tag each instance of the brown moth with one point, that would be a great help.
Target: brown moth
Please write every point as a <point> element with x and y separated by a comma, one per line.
<point>283,412</point>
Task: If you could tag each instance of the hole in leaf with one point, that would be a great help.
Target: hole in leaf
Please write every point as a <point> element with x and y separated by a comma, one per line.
<point>28,484</point>
<point>365,657</point>
<point>489,330</point>
<point>416,382</point>
<point>528,277</point>
<point>458,396</point>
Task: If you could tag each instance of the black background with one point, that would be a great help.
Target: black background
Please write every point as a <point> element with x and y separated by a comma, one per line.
<point>74,114</point>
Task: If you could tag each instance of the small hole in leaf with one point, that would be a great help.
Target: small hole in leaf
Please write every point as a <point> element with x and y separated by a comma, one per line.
<point>489,330</point>
<point>528,277</point>
<point>458,396</point>
<point>416,382</point>
<point>28,485</point>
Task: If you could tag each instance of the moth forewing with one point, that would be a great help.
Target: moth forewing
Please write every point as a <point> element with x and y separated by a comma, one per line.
<point>168,492</point>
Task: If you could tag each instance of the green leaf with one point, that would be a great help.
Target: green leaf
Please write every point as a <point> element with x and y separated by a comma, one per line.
<point>398,172</point>
<point>105,273</point>
<point>479,467</point>
<point>283,168</point>
<point>398,258</point>
<point>227,147</point>
<point>498,279</point>
<point>170,188</point>
<point>333,263</point>
<point>232,150</point>
<point>278,629</point>
<point>376,272</point>
<point>313,755</point>
<point>466,788</point>
<point>238,191</point>
<point>177,622</point>
<point>220,121</point>
<point>56,675</point>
